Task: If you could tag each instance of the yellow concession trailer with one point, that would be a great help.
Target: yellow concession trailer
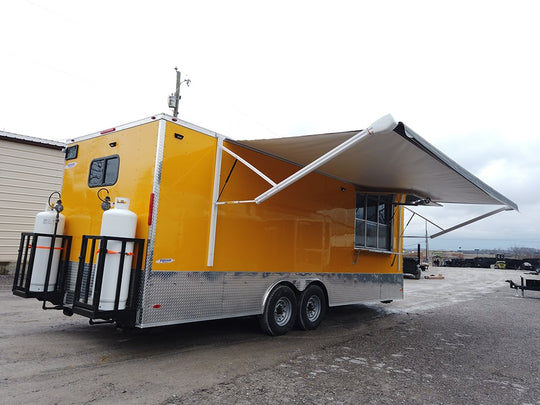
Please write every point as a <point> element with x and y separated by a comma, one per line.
<point>162,222</point>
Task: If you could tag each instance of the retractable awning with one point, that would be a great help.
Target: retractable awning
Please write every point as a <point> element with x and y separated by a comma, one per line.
<point>388,156</point>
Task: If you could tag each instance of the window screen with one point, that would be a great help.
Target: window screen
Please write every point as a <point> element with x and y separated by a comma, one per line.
<point>104,171</point>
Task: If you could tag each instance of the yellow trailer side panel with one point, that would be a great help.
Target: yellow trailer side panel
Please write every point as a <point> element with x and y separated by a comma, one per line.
<point>136,148</point>
<point>185,199</point>
<point>308,227</point>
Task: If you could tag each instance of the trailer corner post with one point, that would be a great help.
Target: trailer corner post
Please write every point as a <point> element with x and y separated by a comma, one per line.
<point>214,210</point>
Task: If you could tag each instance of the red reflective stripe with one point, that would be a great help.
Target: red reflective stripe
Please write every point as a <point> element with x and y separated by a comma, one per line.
<point>116,253</point>
<point>150,209</point>
<point>46,247</point>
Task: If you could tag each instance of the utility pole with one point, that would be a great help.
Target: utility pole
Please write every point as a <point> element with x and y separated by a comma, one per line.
<point>427,246</point>
<point>174,99</point>
<point>177,93</point>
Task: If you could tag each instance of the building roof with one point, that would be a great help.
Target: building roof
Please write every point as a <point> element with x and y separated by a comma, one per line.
<point>46,143</point>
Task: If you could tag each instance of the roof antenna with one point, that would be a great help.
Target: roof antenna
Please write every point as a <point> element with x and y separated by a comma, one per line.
<point>174,99</point>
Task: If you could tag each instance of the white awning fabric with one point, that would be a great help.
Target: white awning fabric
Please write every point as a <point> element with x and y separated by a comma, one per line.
<point>386,157</point>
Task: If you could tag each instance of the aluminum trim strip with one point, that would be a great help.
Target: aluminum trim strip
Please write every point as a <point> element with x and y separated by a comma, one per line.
<point>214,210</point>
<point>153,118</point>
<point>158,165</point>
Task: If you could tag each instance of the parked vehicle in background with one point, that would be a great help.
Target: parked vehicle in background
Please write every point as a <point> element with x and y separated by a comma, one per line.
<point>411,266</point>
<point>526,266</point>
<point>500,264</point>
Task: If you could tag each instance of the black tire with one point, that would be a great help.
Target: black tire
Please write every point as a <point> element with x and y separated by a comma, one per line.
<point>311,307</point>
<point>280,311</point>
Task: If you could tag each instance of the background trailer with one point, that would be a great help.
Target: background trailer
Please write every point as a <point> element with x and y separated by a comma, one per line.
<point>162,222</point>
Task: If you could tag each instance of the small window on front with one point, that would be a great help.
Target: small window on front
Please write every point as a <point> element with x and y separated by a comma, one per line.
<point>373,222</point>
<point>72,152</point>
<point>104,171</point>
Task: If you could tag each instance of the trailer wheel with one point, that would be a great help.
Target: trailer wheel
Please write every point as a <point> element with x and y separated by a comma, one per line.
<point>311,308</point>
<point>279,312</point>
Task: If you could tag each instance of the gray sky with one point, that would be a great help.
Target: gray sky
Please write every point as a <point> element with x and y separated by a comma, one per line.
<point>462,74</point>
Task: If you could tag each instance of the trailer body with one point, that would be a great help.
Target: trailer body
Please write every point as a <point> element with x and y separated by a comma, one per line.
<point>227,228</point>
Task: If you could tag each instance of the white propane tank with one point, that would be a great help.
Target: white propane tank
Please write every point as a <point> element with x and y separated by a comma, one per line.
<point>45,223</point>
<point>118,221</point>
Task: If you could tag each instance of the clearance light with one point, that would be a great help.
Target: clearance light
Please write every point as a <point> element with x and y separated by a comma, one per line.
<point>150,209</point>
<point>108,131</point>
<point>156,306</point>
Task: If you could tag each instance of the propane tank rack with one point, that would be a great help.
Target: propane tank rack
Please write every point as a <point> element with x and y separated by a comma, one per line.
<point>108,279</point>
<point>41,267</point>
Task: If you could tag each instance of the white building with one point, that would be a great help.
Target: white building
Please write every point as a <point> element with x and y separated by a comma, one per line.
<point>30,170</point>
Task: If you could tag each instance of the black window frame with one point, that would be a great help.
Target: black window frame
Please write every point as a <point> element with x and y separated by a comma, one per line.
<point>374,221</point>
<point>71,152</point>
<point>108,172</point>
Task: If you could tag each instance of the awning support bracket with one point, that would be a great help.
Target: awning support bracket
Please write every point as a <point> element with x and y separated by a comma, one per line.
<point>253,168</point>
<point>470,221</point>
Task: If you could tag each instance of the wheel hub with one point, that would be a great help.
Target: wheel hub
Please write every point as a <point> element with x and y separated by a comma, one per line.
<point>313,308</point>
<point>282,311</point>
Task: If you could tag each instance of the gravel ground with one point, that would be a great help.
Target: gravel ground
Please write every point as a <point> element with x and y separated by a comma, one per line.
<point>486,351</point>
<point>465,339</point>
<point>6,282</point>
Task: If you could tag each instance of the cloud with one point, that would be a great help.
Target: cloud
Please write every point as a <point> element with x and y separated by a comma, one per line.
<point>464,75</point>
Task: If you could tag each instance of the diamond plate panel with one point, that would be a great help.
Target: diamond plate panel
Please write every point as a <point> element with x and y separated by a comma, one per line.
<point>180,297</point>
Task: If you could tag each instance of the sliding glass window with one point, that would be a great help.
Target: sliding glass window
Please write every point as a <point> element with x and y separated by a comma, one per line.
<point>373,224</point>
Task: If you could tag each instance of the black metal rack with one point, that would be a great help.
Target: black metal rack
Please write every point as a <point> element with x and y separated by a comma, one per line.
<point>91,270</point>
<point>527,283</point>
<point>25,267</point>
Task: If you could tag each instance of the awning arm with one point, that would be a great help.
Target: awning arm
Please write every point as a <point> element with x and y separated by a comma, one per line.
<point>383,124</point>
<point>470,221</point>
<point>253,168</point>
<point>424,218</point>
